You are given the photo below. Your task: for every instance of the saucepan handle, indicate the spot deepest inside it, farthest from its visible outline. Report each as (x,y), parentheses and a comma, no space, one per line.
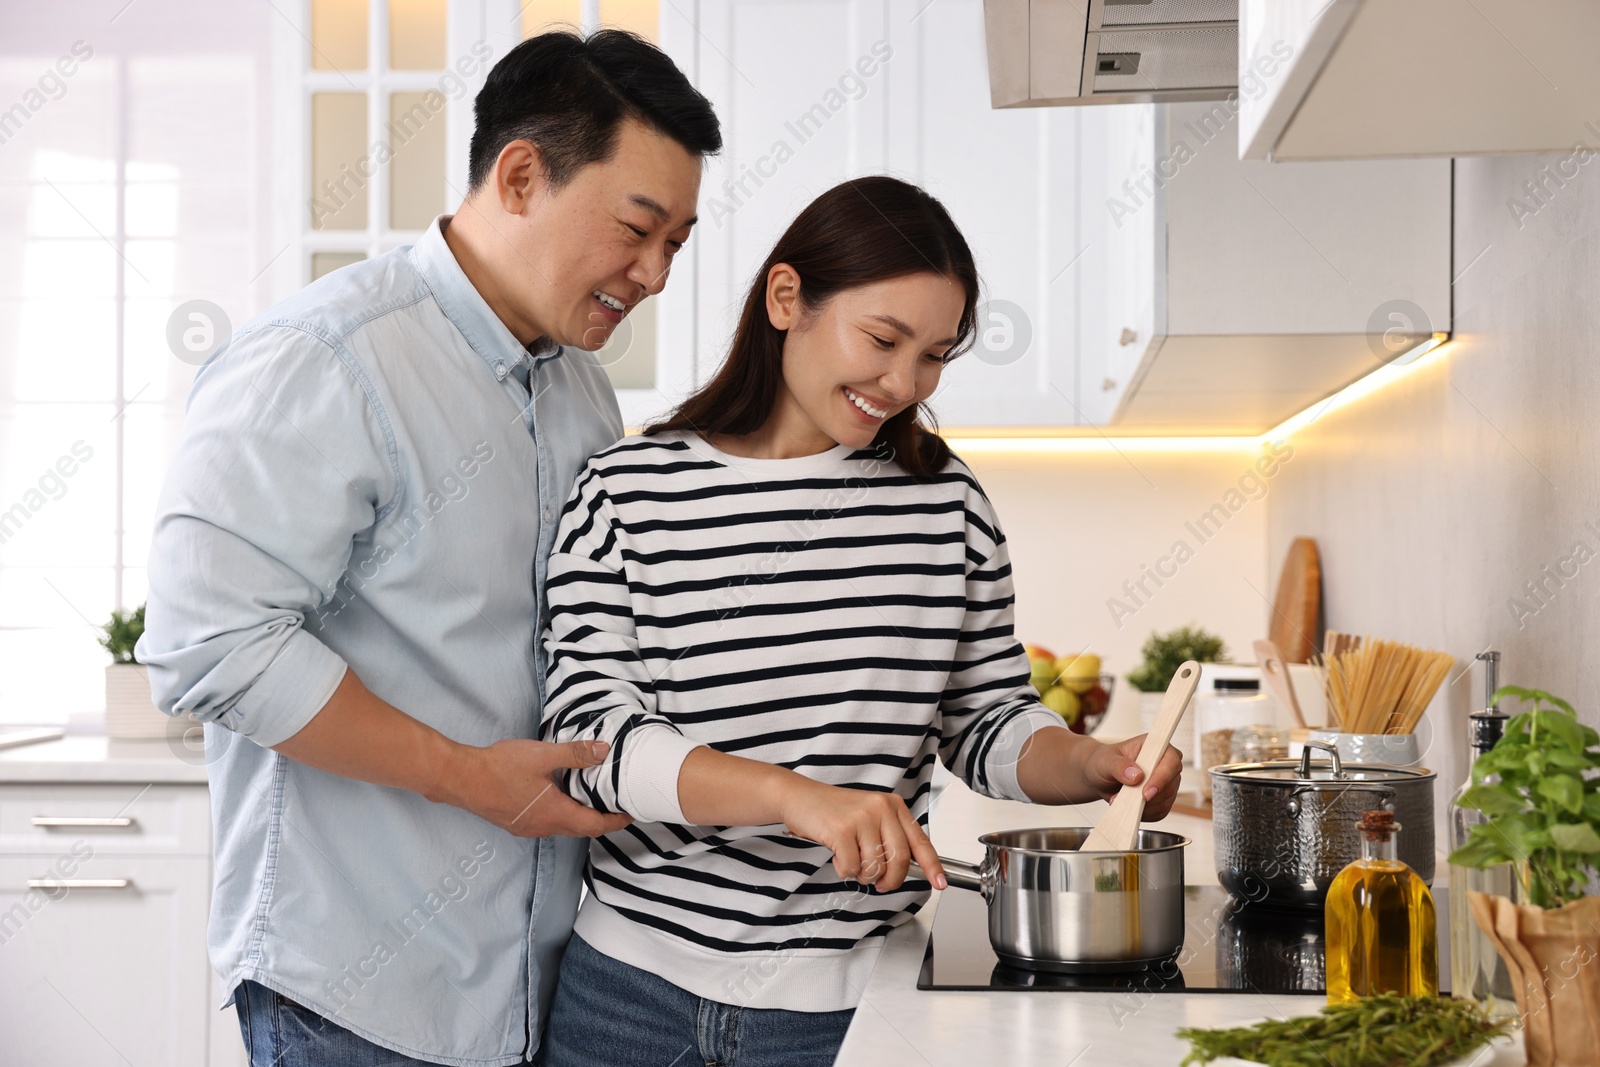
(962,875)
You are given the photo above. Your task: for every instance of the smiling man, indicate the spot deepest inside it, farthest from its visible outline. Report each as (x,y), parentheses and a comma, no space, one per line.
(347,574)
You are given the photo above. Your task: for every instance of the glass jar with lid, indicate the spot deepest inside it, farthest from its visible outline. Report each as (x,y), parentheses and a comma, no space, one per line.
(1259,743)
(1232,705)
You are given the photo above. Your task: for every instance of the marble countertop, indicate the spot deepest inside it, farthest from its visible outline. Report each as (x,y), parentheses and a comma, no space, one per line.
(100,759)
(898,1025)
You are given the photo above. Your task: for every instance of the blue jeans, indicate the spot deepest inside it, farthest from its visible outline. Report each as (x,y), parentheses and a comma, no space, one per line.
(607,1012)
(280,1033)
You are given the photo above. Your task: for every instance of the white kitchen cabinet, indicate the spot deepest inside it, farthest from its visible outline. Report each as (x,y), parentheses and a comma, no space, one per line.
(1116,275)
(101,974)
(1271,285)
(1366,79)
(1135,272)
(104,895)
(1010,180)
(812,92)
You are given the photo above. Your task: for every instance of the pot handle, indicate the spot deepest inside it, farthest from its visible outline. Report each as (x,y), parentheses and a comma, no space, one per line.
(961,874)
(1331,750)
(1388,792)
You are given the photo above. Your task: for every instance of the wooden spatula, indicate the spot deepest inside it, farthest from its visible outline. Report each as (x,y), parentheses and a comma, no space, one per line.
(1276,672)
(1119,828)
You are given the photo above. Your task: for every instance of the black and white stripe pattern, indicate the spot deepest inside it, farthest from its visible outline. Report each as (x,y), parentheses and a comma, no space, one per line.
(829,614)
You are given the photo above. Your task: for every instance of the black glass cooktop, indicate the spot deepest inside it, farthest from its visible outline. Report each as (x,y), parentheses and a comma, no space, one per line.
(1230,946)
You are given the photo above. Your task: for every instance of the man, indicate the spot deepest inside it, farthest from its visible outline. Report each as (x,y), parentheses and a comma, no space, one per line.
(347,574)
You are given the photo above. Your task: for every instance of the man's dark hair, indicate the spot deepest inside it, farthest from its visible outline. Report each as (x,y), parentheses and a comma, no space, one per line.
(568,95)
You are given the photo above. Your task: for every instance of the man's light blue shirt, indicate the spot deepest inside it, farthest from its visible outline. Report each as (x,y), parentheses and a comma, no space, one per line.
(363,482)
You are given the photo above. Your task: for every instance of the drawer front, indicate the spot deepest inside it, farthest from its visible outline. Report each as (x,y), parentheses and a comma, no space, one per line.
(112,819)
(107,965)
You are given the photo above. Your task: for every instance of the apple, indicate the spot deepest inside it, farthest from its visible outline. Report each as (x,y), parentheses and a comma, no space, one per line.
(1078,673)
(1094,700)
(1039,652)
(1043,674)
(1063,701)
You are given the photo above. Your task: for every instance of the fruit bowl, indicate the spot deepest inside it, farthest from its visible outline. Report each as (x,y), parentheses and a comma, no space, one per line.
(1093,705)
(1071,686)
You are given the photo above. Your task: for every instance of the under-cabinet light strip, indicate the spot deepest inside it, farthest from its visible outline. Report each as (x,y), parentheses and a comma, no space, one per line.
(1080,441)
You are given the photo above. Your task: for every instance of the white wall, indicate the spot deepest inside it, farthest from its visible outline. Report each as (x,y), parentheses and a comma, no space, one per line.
(1436,500)
(1080,525)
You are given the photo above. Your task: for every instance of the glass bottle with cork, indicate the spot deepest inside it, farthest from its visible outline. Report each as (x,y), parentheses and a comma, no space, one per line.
(1476,970)
(1382,934)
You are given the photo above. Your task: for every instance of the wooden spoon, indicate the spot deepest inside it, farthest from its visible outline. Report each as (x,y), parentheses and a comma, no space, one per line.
(1118,829)
(1277,674)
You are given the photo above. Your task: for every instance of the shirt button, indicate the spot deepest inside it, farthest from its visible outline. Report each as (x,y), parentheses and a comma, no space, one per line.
(500,371)
(546,514)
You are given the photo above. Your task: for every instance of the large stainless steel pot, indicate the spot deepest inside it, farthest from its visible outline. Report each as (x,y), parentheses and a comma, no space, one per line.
(1291,826)
(1054,908)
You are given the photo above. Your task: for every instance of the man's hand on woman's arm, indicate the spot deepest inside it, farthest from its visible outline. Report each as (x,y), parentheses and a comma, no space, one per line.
(873,835)
(1060,767)
(509,783)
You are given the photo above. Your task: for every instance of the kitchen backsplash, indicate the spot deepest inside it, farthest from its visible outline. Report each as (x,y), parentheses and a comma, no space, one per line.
(1460,508)
(1108,546)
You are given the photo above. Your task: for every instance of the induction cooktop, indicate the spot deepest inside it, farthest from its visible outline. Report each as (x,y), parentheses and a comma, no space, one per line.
(1229,946)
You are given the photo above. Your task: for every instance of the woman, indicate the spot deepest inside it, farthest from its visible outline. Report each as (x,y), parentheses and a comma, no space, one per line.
(779,607)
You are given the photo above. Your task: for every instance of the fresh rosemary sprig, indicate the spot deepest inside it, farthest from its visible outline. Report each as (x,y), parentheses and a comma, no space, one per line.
(1380,1031)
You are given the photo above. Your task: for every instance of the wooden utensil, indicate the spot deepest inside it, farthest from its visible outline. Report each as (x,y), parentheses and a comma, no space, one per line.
(1276,673)
(1334,644)
(1118,829)
(1293,626)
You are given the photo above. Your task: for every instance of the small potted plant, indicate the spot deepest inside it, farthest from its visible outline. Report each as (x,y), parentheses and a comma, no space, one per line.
(1539,792)
(1163,655)
(130,713)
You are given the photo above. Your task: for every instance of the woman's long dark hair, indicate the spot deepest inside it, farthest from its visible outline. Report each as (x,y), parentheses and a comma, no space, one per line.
(861,231)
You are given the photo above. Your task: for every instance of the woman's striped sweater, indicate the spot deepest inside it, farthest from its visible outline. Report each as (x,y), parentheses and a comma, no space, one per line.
(828,614)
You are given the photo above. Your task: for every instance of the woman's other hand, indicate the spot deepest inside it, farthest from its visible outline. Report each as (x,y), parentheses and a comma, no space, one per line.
(874,836)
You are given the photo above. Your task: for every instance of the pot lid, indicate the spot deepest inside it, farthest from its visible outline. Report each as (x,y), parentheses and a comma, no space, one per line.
(1288,773)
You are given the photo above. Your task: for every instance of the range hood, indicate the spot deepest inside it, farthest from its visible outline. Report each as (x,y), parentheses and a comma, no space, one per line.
(1045,53)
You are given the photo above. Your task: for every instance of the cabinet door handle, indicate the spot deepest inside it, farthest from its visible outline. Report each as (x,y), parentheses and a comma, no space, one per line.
(121,822)
(79,883)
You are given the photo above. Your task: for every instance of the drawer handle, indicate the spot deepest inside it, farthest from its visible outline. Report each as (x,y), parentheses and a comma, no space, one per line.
(79,883)
(121,822)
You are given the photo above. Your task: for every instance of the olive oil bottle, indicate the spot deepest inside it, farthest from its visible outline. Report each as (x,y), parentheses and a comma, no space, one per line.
(1382,935)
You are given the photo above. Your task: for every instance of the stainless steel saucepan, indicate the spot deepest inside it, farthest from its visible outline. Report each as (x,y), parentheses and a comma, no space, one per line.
(1055,908)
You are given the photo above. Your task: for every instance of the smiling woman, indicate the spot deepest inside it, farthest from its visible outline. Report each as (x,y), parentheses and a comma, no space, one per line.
(781,607)
(815,354)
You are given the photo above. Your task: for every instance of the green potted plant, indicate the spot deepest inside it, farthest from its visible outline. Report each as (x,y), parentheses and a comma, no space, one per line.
(1539,792)
(130,714)
(1163,655)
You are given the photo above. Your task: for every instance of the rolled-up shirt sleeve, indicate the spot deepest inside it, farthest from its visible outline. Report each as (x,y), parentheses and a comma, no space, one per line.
(283,465)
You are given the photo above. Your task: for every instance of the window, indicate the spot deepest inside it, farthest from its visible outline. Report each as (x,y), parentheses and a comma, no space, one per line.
(130,181)
(630,356)
(377,83)
(183,156)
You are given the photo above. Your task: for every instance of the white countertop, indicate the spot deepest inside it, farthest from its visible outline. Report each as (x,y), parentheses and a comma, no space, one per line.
(100,759)
(898,1025)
